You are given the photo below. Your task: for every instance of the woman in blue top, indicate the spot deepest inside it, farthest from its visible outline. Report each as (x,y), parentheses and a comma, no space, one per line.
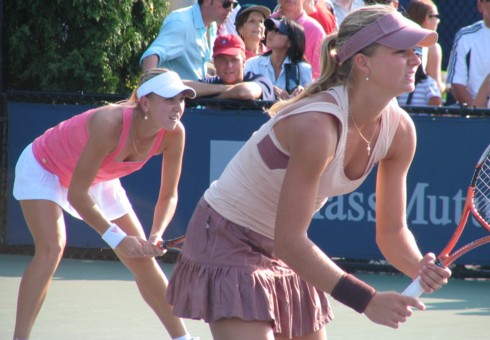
(284,64)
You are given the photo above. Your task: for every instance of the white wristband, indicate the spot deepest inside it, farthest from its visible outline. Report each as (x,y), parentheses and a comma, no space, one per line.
(113,236)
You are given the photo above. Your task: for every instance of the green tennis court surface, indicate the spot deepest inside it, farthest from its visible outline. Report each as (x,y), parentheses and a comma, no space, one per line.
(99,300)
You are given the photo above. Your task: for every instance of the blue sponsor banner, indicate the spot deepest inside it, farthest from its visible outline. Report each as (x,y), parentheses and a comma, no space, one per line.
(448,148)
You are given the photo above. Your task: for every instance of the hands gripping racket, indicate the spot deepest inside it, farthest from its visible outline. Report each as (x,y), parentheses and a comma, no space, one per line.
(478,204)
(174,244)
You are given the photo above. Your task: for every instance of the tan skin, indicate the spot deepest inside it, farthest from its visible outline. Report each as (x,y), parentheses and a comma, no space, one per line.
(211,10)
(434,56)
(481,99)
(46,223)
(310,154)
(252,32)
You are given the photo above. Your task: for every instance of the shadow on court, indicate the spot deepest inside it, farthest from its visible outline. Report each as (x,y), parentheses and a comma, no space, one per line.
(91,299)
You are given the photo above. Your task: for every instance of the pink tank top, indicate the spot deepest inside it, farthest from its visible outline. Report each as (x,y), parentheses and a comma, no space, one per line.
(59,148)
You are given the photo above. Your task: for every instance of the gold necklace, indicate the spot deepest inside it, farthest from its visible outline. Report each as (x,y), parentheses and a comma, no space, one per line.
(137,144)
(368,142)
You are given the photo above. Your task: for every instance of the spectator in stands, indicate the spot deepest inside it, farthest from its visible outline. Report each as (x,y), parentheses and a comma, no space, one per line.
(231,82)
(250,27)
(469,62)
(228,26)
(284,64)
(343,7)
(323,13)
(394,3)
(76,166)
(248,245)
(314,32)
(482,98)
(426,91)
(426,14)
(184,42)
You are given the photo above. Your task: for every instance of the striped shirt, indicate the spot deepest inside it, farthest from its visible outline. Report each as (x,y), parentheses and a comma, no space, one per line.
(424,91)
(469,62)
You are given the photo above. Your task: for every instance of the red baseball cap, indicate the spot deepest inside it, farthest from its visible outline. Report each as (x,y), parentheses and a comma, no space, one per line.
(228,44)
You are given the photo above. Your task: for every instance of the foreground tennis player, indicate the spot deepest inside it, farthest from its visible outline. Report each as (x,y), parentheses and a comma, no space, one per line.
(76,165)
(248,267)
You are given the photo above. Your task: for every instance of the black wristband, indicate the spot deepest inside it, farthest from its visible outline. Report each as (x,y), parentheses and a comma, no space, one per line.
(353,293)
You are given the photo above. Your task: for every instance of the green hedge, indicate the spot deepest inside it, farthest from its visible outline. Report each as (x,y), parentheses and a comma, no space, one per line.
(91,46)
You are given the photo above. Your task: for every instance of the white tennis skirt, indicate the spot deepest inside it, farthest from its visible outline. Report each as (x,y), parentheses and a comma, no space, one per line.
(33,182)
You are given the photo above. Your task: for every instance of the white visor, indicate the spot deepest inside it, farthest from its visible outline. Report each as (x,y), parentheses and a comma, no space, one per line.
(167,85)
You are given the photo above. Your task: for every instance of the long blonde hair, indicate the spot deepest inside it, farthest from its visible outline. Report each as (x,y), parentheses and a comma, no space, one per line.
(334,73)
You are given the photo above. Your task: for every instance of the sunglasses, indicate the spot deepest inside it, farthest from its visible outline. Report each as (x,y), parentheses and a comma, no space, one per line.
(438,16)
(227,4)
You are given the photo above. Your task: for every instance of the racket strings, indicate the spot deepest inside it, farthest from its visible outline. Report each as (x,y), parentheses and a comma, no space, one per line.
(481,198)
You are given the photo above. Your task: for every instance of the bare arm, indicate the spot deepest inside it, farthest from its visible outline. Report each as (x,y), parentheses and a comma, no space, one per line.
(434,66)
(104,130)
(483,94)
(393,237)
(149,62)
(461,93)
(435,101)
(173,150)
(248,90)
(310,153)
(241,91)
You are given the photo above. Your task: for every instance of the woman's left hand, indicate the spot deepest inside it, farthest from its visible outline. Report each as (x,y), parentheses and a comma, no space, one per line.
(432,276)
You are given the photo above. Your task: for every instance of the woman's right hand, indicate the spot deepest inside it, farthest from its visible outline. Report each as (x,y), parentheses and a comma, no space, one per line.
(391,308)
(132,246)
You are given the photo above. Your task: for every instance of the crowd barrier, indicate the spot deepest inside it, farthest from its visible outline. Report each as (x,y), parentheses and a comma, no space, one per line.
(449,145)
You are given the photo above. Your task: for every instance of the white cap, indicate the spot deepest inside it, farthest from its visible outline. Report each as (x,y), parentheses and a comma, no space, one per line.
(167,85)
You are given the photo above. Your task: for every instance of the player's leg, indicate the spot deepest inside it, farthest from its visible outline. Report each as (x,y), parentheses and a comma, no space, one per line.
(321,334)
(150,280)
(238,329)
(45,221)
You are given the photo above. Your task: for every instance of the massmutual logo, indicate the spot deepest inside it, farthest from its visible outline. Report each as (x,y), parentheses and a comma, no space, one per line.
(423,207)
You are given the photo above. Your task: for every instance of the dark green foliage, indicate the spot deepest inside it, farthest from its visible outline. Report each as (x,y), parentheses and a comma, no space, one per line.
(91,46)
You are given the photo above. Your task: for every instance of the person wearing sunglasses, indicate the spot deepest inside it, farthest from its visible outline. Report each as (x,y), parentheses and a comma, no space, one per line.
(469,62)
(284,64)
(314,32)
(426,14)
(185,40)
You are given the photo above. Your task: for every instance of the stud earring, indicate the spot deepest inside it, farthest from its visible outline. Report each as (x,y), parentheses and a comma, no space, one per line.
(367,78)
(145,117)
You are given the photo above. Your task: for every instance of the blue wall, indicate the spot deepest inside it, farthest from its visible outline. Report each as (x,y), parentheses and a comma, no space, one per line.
(448,148)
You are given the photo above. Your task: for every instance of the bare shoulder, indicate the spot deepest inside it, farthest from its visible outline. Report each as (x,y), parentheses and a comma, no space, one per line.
(105,126)
(313,128)
(405,139)
(107,118)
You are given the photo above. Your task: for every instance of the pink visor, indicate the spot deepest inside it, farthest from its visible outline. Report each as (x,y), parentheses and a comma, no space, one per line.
(391,30)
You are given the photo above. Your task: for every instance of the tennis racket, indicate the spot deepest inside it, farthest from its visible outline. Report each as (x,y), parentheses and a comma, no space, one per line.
(174,244)
(477,204)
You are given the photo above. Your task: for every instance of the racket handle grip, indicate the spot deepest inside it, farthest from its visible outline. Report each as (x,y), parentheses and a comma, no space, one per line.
(414,289)
(161,245)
